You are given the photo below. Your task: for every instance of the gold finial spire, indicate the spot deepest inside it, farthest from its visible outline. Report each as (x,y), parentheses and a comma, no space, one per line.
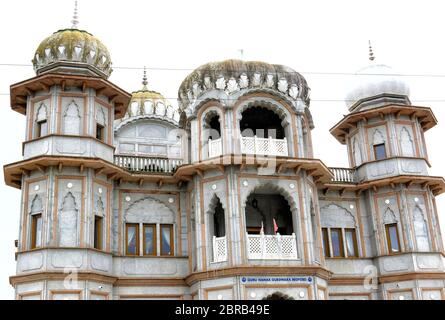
(75,20)
(371,53)
(144,79)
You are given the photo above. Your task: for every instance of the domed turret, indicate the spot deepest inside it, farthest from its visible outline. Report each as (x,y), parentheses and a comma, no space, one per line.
(72,51)
(150,104)
(374,82)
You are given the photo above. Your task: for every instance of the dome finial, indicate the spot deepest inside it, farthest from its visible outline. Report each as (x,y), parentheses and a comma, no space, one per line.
(371,53)
(144,79)
(75,20)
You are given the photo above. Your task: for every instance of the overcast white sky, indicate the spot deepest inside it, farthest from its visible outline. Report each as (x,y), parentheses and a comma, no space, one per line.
(308,36)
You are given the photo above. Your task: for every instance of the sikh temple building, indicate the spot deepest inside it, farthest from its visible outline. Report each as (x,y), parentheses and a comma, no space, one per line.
(125,196)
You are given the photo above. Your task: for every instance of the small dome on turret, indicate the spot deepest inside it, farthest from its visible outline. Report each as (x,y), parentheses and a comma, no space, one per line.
(374,81)
(147,103)
(72,51)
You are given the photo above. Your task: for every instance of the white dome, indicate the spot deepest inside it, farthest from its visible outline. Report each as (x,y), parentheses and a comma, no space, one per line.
(373,80)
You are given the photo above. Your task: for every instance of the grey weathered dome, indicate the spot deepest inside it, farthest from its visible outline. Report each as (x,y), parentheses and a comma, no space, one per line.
(231,76)
(72,47)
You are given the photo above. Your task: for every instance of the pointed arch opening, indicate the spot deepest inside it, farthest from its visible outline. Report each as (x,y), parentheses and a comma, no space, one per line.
(212,136)
(217,229)
(270,226)
(41,121)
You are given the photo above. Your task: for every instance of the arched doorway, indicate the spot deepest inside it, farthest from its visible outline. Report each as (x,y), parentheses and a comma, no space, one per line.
(217,230)
(212,140)
(269,225)
(261,122)
(270,211)
(278,296)
(262,132)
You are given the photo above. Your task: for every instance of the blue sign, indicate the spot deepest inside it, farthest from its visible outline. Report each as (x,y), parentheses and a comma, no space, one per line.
(284,279)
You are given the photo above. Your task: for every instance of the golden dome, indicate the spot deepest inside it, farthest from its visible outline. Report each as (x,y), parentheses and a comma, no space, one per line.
(147,103)
(72,48)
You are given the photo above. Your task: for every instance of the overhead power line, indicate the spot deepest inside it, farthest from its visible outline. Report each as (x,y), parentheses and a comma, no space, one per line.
(312,100)
(429,75)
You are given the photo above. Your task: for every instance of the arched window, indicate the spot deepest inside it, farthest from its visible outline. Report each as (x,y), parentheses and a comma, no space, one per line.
(217,228)
(36,222)
(101,124)
(212,134)
(261,122)
(41,121)
(156,222)
(99,212)
(339,231)
(391,231)
(72,119)
(379,146)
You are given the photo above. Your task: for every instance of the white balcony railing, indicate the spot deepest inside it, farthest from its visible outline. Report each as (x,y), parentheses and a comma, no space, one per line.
(263,246)
(215,147)
(343,175)
(146,164)
(264,146)
(219,249)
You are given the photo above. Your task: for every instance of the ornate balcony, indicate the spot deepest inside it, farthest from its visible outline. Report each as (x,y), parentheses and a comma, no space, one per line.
(264,146)
(343,175)
(219,249)
(278,247)
(147,164)
(215,147)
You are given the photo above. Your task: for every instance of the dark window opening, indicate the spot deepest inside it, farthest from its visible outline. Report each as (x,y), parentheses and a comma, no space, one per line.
(326,246)
(100,132)
(36,231)
(215,127)
(268,212)
(42,128)
(392,237)
(261,122)
(98,232)
(379,151)
(219,221)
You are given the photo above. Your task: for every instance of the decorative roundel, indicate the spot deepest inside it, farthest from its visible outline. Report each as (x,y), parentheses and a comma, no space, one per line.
(301,294)
(37,188)
(351,206)
(416,199)
(127,198)
(253,295)
(214,187)
(100,190)
(171,200)
(401,298)
(387,201)
(69,185)
(220,297)
(245,183)
(292,186)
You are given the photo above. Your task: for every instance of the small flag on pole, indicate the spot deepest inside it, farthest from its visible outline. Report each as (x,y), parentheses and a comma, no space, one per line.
(262,227)
(275,226)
